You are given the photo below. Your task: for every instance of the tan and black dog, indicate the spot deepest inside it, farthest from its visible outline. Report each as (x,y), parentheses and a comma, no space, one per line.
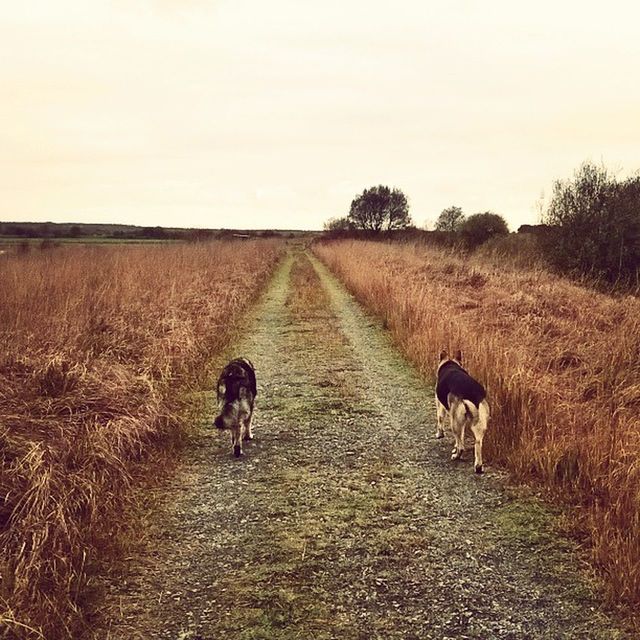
(464,400)
(236,393)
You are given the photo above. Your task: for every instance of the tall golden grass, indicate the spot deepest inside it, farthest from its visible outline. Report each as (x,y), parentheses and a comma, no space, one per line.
(99,350)
(561,364)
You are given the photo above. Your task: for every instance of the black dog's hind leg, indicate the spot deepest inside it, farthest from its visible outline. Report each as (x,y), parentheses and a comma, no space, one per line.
(248,434)
(236,440)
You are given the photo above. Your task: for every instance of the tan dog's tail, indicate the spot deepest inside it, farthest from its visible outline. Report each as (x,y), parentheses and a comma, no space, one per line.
(470,410)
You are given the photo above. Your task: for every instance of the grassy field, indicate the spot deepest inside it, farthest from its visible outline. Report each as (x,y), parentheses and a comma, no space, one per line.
(561,364)
(100,348)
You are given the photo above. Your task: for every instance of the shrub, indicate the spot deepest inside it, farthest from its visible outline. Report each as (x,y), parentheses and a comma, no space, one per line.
(596,226)
(338,224)
(479,227)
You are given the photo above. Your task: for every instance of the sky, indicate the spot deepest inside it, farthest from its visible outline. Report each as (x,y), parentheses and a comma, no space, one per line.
(254,114)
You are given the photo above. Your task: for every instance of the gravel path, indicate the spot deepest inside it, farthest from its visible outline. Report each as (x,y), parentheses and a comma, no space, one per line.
(345,519)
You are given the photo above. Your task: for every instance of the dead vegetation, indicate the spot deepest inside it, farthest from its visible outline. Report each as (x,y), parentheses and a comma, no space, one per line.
(100,348)
(561,363)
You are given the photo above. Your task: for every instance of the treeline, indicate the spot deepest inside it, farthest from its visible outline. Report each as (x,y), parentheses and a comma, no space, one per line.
(57,230)
(590,228)
(64,230)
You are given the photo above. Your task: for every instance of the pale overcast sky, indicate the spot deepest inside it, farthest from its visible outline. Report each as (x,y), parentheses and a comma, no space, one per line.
(276,114)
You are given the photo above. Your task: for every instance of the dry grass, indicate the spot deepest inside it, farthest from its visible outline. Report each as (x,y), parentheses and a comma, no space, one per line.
(562,367)
(100,347)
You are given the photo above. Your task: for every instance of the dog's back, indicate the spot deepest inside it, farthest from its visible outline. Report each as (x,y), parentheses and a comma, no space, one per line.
(453,379)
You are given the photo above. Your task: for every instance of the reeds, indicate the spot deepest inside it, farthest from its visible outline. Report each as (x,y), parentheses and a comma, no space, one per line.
(562,367)
(99,348)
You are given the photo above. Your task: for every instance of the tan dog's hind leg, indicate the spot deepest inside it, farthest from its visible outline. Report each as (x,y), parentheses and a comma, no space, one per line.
(458,422)
(478,433)
(479,427)
(441,413)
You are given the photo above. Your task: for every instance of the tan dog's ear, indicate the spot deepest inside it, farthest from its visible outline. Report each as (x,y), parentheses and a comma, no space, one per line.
(443,355)
(458,356)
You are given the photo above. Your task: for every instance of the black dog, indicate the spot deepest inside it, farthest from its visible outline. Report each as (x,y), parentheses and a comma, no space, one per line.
(236,391)
(464,399)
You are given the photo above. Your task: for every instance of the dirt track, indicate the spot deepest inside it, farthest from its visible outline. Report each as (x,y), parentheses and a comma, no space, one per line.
(345,518)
